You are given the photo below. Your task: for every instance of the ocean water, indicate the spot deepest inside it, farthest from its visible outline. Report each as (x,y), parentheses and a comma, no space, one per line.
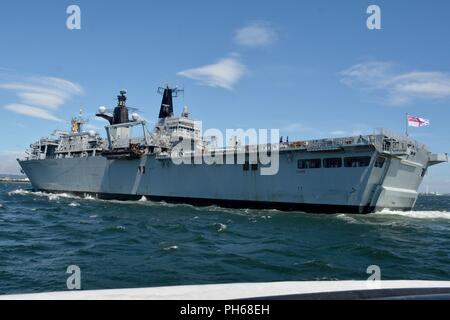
(145,244)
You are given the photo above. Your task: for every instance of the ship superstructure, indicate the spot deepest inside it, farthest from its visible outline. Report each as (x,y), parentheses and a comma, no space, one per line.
(360,174)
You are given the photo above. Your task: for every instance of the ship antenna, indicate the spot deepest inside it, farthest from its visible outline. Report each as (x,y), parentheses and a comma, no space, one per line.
(78,122)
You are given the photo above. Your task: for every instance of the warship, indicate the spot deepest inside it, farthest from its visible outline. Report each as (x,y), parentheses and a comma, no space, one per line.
(356,174)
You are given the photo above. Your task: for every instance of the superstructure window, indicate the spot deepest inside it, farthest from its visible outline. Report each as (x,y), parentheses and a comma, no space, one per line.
(424,172)
(332,163)
(250,166)
(309,164)
(355,162)
(379,163)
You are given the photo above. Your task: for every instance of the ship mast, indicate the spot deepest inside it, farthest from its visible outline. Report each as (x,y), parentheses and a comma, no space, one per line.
(120,114)
(166,110)
(77,123)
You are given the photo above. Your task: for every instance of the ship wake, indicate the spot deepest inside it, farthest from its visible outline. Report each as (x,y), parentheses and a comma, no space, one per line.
(424,214)
(50,196)
(417,214)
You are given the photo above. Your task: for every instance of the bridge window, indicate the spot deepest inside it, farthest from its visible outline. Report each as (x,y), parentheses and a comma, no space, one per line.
(354,162)
(332,163)
(309,164)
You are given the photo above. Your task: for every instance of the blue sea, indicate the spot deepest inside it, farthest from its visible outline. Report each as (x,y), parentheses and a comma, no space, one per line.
(146,244)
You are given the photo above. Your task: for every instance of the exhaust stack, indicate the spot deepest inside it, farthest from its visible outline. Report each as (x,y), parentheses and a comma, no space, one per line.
(166,110)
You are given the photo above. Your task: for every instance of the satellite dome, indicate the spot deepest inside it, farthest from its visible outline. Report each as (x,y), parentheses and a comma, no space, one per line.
(135,116)
(102,109)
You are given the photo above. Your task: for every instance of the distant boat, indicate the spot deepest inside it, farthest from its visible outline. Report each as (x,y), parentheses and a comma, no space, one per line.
(428,193)
(14,180)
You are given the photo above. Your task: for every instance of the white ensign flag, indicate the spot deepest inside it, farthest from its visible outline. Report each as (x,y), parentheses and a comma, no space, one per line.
(417,122)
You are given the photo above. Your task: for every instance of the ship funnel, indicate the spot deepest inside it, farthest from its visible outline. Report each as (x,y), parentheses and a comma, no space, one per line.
(168,93)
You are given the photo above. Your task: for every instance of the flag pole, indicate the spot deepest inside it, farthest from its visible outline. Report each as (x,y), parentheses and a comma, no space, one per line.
(407,124)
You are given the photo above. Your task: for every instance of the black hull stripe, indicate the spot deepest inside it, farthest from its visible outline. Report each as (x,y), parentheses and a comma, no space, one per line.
(236,204)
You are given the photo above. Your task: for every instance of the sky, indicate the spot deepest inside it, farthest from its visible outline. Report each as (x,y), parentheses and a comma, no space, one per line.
(313,69)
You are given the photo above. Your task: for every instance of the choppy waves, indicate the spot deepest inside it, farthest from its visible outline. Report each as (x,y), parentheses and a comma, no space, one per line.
(144,243)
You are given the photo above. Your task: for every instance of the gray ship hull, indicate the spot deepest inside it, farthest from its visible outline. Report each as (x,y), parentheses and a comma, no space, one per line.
(394,185)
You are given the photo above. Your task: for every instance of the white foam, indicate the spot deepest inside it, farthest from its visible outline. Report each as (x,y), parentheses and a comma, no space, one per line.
(144,201)
(347,218)
(19,192)
(50,196)
(244,212)
(417,214)
(221,227)
(169,248)
(74,204)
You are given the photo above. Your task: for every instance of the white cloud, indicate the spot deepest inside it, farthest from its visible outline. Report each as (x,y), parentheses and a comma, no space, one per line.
(64,86)
(31,111)
(224,74)
(398,88)
(255,35)
(342,133)
(50,101)
(339,133)
(293,128)
(9,164)
(39,91)
(89,126)
(354,129)
(296,128)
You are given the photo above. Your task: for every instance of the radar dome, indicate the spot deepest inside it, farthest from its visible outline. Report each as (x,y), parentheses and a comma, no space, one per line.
(102,109)
(135,116)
